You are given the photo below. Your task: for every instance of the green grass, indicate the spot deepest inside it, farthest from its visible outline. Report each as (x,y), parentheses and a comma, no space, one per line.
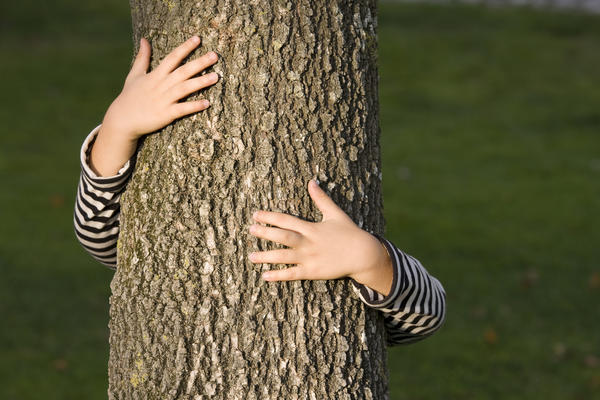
(491,149)
(491,126)
(62,63)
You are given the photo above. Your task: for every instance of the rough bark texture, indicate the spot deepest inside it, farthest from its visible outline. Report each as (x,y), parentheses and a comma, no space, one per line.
(190,316)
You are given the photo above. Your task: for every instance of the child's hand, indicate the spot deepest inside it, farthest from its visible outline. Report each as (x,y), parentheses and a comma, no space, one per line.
(150,101)
(333,248)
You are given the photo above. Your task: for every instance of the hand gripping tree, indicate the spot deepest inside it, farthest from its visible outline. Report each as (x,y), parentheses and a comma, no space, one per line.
(190,316)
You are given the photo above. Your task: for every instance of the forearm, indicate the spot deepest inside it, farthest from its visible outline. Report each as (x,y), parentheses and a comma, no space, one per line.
(379,276)
(97,208)
(110,151)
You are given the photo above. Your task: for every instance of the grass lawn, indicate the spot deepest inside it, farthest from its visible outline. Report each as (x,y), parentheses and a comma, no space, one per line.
(491,149)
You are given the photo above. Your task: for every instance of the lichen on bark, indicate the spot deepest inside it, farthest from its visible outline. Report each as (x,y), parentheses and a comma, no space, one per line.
(190,316)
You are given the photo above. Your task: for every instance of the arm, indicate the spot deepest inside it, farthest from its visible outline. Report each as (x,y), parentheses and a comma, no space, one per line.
(97,208)
(383,277)
(147,103)
(415,307)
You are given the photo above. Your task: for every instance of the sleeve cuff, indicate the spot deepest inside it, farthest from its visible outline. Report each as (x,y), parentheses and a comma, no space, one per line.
(113,183)
(373,298)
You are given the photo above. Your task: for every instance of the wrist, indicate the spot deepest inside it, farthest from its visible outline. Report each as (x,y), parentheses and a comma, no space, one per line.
(110,152)
(114,132)
(378,273)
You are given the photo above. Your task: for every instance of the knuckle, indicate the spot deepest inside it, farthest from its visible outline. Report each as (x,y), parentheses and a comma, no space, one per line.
(172,55)
(277,218)
(211,78)
(309,252)
(177,111)
(197,84)
(308,228)
(177,75)
(265,217)
(198,64)
(212,56)
(284,236)
(270,257)
(187,87)
(291,274)
(204,61)
(258,257)
(203,104)
(288,237)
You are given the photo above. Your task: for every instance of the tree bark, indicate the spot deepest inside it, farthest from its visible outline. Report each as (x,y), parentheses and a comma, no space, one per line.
(190,316)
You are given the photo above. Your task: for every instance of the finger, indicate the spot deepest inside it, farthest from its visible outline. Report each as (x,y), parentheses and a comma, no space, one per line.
(281,236)
(281,220)
(188,107)
(193,85)
(174,58)
(323,202)
(288,274)
(142,60)
(279,256)
(194,67)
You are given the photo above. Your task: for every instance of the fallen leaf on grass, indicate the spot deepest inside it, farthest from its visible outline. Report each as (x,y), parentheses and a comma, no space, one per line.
(60,364)
(594,281)
(56,200)
(559,350)
(479,312)
(591,361)
(490,336)
(595,381)
(530,278)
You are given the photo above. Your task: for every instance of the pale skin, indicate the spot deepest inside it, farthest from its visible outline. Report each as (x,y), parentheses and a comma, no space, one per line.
(333,248)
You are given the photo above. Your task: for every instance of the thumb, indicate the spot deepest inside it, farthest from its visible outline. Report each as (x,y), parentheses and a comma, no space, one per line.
(142,60)
(324,203)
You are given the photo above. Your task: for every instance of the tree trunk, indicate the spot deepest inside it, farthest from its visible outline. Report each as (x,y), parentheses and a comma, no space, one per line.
(190,316)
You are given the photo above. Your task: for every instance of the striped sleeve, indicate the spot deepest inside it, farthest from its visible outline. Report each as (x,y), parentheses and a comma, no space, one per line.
(416,305)
(96,214)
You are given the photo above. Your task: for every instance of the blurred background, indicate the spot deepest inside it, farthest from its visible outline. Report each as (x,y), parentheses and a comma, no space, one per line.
(490,124)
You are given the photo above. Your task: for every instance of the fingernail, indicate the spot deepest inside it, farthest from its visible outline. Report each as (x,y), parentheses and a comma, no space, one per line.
(255,214)
(205,103)
(266,275)
(251,256)
(252,228)
(195,39)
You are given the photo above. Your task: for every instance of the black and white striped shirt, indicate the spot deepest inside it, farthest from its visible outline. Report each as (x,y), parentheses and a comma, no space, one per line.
(413,310)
